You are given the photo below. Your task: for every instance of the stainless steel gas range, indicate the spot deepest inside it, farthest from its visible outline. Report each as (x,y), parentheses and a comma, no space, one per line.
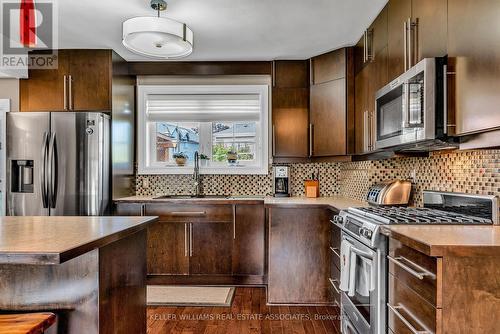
(364,309)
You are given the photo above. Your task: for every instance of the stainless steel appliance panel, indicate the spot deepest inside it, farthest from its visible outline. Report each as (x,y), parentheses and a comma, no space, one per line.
(79,164)
(27,137)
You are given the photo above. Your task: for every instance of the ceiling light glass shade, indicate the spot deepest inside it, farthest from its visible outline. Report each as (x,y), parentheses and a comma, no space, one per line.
(157,37)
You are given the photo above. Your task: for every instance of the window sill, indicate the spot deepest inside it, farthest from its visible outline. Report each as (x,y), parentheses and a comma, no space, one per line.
(237,170)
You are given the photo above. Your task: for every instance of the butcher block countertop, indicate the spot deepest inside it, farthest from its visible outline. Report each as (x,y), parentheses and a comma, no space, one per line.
(54,240)
(448,240)
(334,202)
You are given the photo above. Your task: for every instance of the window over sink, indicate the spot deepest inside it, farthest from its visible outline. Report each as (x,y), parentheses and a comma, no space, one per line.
(226,124)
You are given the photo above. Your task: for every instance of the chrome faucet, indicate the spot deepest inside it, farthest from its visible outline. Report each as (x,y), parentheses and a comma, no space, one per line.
(196,174)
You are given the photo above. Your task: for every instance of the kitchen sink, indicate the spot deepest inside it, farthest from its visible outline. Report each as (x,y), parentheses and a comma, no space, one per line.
(189,196)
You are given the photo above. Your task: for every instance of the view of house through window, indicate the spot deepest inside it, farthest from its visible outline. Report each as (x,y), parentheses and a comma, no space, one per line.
(223,139)
(176,137)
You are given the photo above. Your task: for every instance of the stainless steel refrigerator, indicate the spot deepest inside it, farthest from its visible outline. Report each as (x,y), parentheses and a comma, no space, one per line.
(58,163)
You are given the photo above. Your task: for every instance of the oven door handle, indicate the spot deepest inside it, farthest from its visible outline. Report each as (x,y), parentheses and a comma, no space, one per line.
(362,253)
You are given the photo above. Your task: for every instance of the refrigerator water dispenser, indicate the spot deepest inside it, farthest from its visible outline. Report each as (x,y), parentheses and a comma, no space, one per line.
(22,176)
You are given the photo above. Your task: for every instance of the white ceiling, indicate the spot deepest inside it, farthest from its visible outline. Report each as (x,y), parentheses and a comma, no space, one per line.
(226,29)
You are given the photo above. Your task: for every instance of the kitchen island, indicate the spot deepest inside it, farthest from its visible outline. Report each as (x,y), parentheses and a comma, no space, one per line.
(90,271)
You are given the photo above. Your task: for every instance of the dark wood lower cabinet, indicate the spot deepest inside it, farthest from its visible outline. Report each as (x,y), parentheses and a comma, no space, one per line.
(210,248)
(203,244)
(249,240)
(299,255)
(168,248)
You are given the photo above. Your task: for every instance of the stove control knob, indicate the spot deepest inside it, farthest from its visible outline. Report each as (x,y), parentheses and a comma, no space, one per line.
(338,219)
(368,234)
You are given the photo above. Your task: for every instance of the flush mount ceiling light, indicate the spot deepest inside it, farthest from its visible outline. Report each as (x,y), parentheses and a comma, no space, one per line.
(157,37)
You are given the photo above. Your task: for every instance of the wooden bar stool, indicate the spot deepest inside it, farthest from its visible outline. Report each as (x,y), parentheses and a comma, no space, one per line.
(26,323)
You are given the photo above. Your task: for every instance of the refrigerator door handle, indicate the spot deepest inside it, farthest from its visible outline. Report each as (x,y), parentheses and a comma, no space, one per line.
(43,171)
(53,172)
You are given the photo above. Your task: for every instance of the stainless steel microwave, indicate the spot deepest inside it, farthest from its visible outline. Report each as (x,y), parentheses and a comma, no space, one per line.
(411,111)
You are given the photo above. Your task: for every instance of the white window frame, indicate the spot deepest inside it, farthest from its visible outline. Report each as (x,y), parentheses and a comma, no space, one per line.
(262,134)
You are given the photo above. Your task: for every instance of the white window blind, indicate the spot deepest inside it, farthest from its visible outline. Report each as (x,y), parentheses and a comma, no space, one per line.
(203,107)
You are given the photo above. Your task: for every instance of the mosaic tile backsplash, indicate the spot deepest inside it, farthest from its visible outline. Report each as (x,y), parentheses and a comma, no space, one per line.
(476,172)
(240,185)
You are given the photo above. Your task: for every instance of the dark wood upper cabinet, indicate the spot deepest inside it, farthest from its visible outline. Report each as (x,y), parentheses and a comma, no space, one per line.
(398,14)
(81,82)
(329,66)
(474,42)
(416,30)
(90,72)
(249,240)
(290,101)
(361,82)
(374,40)
(367,83)
(331,103)
(328,118)
(377,34)
(430,18)
(45,88)
(290,74)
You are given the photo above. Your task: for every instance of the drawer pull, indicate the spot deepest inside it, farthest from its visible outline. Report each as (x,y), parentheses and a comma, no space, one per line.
(335,251)
(419,274)
(395,310)
(188,213)
(332,282)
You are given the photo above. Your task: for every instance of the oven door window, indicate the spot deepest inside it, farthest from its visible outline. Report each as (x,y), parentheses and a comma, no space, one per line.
(390,114)
(362,303)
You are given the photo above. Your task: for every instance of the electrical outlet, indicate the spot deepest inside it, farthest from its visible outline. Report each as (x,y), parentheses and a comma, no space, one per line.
(145,183)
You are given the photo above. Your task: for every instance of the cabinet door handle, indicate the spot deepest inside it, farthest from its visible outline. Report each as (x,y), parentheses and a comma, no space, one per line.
(372,130)
(311,72)
(364,46)
(418,274)
(185,240)
(234,222)
(410,42)
(335,251)
(405,44)
(395,310)
(274,141)
(188,213)
(143,209)
(332,282)
(273,73)
(65,93)
(415,41)
(311,138)
(190,239)
(70,92)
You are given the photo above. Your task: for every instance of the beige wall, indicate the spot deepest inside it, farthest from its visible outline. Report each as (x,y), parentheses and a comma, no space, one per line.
(9,89)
